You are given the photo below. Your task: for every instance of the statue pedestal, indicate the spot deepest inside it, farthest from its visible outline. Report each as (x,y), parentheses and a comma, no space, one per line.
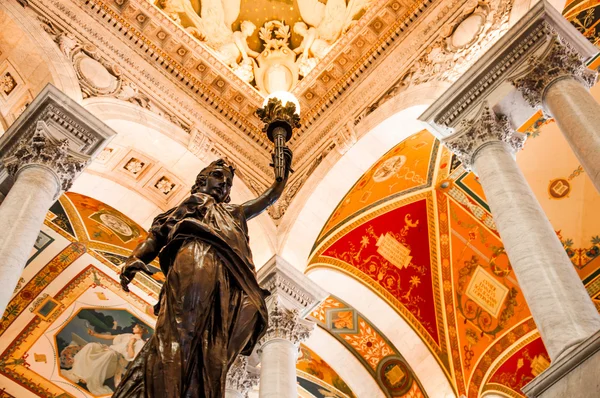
(576,373)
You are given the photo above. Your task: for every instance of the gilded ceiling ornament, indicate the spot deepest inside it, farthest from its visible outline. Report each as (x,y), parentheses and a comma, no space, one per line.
(276,69)
(486,127)
(558,61)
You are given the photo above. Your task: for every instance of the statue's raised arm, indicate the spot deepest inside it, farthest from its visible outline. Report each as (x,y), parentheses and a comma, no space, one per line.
(254,207)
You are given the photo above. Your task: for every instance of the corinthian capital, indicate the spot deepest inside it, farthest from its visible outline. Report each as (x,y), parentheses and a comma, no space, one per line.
(485,128)
(558,61)
(238,377)
(286,324)
(40,149)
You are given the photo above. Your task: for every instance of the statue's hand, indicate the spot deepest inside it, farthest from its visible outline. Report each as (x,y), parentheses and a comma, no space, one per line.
(131,267)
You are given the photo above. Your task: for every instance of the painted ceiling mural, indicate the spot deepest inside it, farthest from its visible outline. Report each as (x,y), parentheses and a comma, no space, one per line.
(317,378)
(69,317)
(379,356)
(391,176)
(433,253)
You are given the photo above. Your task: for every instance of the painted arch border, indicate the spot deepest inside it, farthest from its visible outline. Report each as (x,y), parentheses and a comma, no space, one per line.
(439,351)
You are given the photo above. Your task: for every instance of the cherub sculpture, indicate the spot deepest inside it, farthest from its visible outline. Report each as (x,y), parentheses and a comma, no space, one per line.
(213,25)
(311,50)
(330,19)
(236,54)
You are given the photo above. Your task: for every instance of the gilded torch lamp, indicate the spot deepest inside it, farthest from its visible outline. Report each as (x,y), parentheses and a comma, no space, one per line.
(280,120)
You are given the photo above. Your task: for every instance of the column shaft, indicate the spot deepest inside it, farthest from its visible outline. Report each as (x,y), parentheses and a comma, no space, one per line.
(578,116)
(559,303)
(278,369)
(21,216)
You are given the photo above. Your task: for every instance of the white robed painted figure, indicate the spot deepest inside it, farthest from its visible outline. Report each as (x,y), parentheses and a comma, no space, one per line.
(95,363)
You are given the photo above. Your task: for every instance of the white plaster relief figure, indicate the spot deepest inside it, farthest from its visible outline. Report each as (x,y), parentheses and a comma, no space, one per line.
(323,25)
(331,19)
(237,54)
(311,50)
(213,25)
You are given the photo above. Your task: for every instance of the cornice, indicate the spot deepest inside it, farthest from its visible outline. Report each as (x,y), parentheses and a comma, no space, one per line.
(251,155)
(489,78)
(204,93)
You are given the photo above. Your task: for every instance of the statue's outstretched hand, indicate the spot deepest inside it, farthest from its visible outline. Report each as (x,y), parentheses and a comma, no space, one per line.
(130,268)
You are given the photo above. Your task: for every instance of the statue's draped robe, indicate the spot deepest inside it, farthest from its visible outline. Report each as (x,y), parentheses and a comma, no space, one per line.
(211,307)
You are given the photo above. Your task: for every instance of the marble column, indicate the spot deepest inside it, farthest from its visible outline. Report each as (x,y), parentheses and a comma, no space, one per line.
(41,169)
(239,379)
(42,152)
(293,296)
(559,303)
(278,351)
(558,81)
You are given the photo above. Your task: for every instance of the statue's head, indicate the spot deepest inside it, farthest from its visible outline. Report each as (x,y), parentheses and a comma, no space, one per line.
(216,180)
(247,28)
(300,28)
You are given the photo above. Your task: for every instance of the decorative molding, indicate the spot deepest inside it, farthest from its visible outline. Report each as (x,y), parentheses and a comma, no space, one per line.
(290,286)
(488,77)
(559,60)
(238,377)
(486,127)
(285,324)
(101,78)
(56,132)
(40,149)
(345,138)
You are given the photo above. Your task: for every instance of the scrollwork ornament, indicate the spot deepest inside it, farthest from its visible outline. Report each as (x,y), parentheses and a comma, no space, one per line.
(41,150)
(485,128)
(559,60)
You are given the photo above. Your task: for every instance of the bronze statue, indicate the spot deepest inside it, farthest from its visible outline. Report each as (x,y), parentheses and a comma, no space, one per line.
(210,308)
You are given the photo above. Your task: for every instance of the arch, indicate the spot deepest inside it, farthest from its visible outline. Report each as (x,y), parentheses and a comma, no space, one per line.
(37,56)
(344,363)
(123,199)
(395,328)
(333,181)
(107,108)
(164,143)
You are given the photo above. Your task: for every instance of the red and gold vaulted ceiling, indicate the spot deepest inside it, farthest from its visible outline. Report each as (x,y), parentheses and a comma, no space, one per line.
(416,229)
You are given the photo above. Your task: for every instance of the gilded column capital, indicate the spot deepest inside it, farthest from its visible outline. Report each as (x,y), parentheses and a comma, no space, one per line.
(484,129)
(286,324)
(40,149)
(238,377)
(558,61)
